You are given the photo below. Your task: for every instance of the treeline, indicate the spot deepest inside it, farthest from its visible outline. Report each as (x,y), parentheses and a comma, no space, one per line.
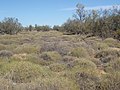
(103,23)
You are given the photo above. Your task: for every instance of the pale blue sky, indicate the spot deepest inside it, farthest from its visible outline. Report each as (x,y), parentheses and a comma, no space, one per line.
(42,12)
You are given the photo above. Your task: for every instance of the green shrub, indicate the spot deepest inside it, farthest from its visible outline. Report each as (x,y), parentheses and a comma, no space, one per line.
(57,67)
(22,71)
(8,41)
(108,54)
(2,47)
(112,42)
(113,66)
(10,26)
(85,74)
(79,52)
(86,81)
(5,84)
(102,46)
(51,56)
(62,48)
(96,61)
(57,83)
(26,48)
(83,64)
(96,45)
(110,82)
(34,58)
(68,59)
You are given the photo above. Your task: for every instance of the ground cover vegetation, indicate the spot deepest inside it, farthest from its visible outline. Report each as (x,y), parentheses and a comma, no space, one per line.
(81,54)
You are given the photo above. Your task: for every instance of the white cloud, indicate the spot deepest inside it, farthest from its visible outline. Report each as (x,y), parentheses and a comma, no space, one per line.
(102,7)
(90,8)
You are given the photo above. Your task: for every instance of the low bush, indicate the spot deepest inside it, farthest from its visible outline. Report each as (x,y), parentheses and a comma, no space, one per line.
(108,54)
(25,48)
(57,67)
(109,82)
(22,71)
(68,59)
(57,83)
(96,61)
(2,47)
(51,56)
(86,81)
(60,47)
(85,74)
(110,41)
(113,66)
(79,52)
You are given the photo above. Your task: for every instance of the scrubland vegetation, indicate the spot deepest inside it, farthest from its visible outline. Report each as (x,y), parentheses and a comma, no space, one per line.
(65,58)
(54,61)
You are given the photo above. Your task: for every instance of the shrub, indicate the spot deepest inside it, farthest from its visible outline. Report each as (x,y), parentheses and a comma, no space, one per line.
(113,66)
(108,54)
(62,48)
(5,53)
(68,59)
(2,47)
(96,61)
(8,41)
(25,48)
(51,56)
(96,45)
(57,67)
(57,83)
(34,58)
(22,71)
(81,64)
(84,72)
(110,82)
(79,52)
(86,81)
(5,84)
(84,64)
(10,26)
(110,41)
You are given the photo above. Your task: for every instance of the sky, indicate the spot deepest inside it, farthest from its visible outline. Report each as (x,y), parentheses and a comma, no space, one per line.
(46,12)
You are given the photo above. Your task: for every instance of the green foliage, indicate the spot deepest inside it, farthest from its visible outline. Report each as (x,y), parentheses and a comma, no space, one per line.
(61,48)
(110,82)
(101,22)
(108,54)
(53,61)
(51,56)
(22,72)
(84,72)
(57,67)
(10,26)
(113,66)
(56,83)
(42,28)
(110,41)
(26,48)
(2,47)
(79,52)
(83,64)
